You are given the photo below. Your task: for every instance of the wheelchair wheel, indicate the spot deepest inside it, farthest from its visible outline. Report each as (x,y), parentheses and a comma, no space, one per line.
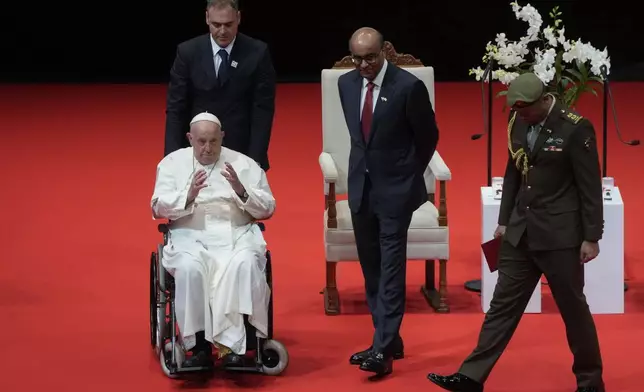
(274,357)
(154,288)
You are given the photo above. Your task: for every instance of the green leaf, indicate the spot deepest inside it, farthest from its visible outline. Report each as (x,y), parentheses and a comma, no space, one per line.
(575,74)
(591,89)
(564,82)
(583,70)
(568,81)
(558,66)
(596,79)
(569,97)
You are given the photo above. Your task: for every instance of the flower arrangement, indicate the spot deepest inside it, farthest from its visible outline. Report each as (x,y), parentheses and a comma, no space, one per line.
(567,68)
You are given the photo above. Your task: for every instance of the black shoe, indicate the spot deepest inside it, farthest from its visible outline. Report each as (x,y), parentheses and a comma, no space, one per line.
(232,360)
(199,359)
(589,389)
(361,356)
(378,363)
(456,383)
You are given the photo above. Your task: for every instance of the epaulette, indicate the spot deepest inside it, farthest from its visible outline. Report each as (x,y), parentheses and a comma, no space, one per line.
(570,116)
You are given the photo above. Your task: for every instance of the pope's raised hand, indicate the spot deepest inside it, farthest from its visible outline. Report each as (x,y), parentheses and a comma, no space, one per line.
(197,184)
(231,176)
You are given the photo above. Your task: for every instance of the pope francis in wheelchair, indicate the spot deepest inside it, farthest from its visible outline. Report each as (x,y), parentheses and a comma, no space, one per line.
(210,280)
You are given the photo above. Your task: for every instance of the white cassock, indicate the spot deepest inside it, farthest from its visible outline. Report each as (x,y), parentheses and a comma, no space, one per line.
(215,252)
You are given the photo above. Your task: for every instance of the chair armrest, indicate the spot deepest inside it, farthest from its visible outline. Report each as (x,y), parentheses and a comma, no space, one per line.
(439,169)
(329,169)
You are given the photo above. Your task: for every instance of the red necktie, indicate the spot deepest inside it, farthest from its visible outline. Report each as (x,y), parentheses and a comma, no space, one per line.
(367,111)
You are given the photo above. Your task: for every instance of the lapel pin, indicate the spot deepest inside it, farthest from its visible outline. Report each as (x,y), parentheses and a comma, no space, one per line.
(233,64)
(383,99)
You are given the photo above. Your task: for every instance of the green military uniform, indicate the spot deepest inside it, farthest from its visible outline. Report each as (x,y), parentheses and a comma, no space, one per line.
(552,202)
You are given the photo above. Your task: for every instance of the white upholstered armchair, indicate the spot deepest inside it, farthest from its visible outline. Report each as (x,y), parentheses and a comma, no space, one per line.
(428,238)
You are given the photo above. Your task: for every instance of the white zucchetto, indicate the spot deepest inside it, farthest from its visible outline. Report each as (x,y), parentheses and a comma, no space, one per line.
(205,116)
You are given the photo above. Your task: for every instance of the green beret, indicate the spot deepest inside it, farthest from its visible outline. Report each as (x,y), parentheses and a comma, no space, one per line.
(524,90)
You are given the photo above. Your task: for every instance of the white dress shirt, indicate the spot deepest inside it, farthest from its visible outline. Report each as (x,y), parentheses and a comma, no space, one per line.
(215,52)
(376,89)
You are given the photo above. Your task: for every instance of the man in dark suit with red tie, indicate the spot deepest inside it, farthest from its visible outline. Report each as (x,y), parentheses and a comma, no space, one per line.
(228,74)
(393,135)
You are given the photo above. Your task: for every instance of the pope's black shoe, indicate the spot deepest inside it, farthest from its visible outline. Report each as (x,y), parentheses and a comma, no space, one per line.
(201,353)
(232,360)
(199,359)
(377,363)
(456,382)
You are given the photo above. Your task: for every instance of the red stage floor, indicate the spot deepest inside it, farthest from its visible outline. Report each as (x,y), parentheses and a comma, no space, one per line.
(78,166)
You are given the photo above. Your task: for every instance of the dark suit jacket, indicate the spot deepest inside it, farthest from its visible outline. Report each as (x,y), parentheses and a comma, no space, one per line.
(560,201)
(245,103)
(401,143)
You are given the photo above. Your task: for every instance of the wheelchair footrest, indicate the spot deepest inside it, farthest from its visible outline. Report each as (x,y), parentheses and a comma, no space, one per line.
(196,369)
(249,368)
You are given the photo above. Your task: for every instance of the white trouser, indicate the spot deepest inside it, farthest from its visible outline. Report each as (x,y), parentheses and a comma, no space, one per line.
(213,292)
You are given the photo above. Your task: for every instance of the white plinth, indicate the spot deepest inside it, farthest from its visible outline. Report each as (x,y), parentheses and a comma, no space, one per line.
(605,275)
(489,222)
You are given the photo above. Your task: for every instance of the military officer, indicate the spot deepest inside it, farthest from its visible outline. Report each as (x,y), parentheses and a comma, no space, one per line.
(551,219)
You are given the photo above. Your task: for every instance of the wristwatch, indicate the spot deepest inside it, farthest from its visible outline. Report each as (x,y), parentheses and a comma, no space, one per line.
(244,195)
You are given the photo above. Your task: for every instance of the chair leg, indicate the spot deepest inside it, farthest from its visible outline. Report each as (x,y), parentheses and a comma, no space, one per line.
(443,307)
(436,299)
(429,288)
(331,295)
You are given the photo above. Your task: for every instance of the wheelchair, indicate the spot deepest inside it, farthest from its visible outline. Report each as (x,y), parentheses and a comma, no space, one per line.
(271,357)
